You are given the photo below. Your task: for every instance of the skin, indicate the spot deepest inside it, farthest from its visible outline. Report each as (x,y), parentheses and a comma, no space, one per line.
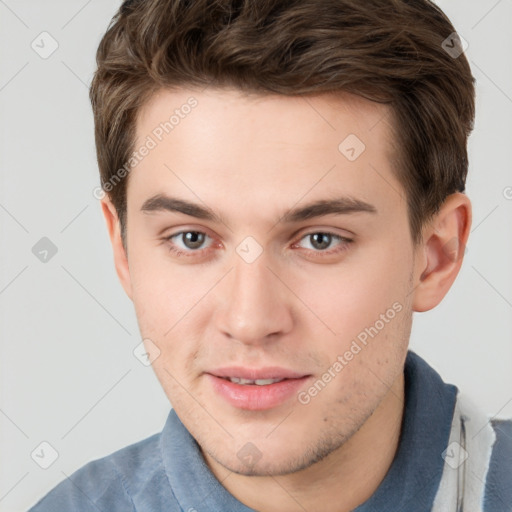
(251,159)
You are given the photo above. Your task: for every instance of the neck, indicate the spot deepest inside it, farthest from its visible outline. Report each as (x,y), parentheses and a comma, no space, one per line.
(340,482)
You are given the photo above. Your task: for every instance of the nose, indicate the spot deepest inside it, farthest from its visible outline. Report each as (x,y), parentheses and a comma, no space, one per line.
(255,306)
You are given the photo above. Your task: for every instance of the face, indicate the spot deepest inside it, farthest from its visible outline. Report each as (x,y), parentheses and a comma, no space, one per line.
(268,240)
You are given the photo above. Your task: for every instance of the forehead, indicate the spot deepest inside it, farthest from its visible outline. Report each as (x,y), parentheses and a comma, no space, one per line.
(270,149)
(306,118)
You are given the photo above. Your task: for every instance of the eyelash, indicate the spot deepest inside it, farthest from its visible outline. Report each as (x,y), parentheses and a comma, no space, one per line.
(343,246)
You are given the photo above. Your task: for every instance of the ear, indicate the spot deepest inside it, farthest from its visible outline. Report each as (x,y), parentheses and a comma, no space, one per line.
(440,255)
(120,256)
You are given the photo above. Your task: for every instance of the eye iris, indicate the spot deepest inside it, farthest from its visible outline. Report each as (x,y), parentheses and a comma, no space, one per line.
(193,239)
(320,240)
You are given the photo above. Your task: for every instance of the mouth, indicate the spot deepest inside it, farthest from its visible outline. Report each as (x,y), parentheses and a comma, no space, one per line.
(257,382)
(256,389)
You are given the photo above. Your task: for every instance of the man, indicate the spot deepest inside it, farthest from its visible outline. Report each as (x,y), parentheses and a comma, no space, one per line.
(284,188)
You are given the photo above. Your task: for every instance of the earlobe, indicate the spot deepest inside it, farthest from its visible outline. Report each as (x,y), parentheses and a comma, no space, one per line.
(442,252)
(120,256)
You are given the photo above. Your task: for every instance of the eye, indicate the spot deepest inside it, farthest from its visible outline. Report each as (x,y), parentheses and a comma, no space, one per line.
(321,241)
(191,242)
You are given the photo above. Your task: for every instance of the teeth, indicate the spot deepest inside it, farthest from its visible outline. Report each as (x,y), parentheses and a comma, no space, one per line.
(258,382)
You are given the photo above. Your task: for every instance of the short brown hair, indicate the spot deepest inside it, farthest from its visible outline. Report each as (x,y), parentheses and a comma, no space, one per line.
(387,51)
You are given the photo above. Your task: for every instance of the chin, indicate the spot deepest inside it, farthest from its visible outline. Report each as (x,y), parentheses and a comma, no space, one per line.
(263,459)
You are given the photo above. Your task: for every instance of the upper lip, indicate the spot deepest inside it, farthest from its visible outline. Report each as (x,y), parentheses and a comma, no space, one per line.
(269,372)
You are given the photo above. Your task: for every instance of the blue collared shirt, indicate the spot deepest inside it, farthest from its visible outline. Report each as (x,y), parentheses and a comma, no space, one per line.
(167,472)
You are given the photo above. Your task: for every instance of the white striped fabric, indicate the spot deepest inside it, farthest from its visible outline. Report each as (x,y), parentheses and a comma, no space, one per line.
(467,459)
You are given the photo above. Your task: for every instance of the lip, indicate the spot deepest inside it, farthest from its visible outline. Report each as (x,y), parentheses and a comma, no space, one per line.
(269,372)
(253,397)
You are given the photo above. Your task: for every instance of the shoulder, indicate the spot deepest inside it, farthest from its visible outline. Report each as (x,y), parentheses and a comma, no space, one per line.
(503,430)
(109,483)
(498,485)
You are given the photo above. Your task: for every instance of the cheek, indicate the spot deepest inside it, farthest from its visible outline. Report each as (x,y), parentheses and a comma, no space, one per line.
(154,301)
(162,292)
(346,299)
(165,299)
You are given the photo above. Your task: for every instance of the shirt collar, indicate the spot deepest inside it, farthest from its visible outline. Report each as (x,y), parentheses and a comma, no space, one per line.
(412,480)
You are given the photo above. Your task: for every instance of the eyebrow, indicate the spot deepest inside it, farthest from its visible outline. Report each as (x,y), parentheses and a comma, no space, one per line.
(338,206)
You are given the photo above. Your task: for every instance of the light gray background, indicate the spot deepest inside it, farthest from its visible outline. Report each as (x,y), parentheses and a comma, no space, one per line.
(68,373)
